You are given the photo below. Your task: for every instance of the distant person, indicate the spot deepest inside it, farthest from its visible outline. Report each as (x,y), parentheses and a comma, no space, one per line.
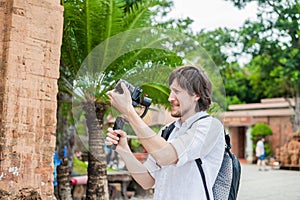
(112,158)
(78,154)
(261,154)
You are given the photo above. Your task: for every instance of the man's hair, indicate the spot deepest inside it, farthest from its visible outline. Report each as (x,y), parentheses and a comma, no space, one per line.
(195,81)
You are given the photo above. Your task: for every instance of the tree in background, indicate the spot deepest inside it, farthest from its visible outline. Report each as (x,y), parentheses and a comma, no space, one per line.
(273,41)
(261,130)
(219,43)
(86,25)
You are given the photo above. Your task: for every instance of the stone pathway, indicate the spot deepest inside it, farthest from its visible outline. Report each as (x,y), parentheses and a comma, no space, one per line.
(265,185)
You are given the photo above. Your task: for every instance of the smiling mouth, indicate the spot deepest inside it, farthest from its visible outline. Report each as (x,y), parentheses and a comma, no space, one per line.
(175,105)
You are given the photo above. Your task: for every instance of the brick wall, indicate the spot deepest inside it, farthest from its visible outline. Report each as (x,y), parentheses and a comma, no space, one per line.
(30,40)
(282,129)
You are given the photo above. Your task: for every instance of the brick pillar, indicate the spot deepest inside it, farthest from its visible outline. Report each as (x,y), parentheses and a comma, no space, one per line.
(30,41)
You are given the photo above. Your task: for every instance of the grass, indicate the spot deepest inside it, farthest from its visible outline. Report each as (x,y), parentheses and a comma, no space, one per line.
(80,166)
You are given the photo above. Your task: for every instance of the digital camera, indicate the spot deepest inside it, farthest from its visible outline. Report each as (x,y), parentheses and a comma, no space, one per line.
(136,94)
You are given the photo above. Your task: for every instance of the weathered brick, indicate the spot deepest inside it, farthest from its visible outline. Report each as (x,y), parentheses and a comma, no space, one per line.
(30,40)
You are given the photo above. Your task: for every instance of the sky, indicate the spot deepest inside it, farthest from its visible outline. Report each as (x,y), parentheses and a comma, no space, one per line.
(212,14)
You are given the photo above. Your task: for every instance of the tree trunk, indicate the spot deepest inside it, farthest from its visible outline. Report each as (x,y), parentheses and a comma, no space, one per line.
(64,128)
(63,179)
(296,125)
(97,186)
(66,133)
(24,194)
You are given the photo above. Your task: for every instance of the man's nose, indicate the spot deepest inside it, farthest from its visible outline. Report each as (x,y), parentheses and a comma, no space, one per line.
(171,97)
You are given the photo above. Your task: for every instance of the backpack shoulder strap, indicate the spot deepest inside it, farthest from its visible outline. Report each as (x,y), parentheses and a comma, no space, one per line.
(199,164)
(167,131)
(227,141)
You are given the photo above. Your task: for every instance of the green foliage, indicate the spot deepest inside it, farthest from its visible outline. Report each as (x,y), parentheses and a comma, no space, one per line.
(268,148)
(260,129)
(136,146)
(215,109)
(267,145)
(232,100)
(237,84)
(214,41)
(80,166)
(160,92)
(221,45)
(273,43)
(104,24)
(81,129)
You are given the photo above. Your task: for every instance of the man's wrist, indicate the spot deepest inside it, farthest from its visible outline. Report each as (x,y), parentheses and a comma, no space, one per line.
(131,115)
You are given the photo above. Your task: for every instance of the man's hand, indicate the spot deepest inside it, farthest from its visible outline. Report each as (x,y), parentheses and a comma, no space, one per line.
(122,102)
(121,142)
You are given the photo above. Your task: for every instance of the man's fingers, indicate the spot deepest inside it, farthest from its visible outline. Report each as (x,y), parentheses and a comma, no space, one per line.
(113,136)
(125,89)
(111,141)
(108,143)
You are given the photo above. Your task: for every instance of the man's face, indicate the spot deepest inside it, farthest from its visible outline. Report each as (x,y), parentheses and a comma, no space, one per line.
(183,104)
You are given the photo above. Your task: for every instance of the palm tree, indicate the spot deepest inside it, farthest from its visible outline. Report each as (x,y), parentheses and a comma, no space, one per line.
(87,24)
(104,41)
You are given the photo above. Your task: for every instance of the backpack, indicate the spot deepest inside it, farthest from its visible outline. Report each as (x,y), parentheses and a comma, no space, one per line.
(227,182)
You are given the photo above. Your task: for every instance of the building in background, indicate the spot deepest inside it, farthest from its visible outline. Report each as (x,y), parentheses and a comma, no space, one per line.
(239,120)
(275,112)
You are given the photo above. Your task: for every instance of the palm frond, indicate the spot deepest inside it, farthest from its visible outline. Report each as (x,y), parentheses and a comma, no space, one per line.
(139,15)
(158,93)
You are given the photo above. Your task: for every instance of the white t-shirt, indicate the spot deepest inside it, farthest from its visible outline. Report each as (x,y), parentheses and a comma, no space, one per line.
(260,150)
(193,139)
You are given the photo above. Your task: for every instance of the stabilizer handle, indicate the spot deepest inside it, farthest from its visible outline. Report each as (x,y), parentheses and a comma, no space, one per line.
(118,125)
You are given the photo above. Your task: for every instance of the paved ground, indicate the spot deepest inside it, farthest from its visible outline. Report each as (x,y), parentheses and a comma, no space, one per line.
(266,185)
(269,185)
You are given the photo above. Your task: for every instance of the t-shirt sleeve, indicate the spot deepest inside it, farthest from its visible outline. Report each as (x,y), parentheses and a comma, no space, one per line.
(151,166)
(150,163)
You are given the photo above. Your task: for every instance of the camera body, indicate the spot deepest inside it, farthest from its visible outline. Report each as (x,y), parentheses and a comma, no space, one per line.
(135,92)
(137,99)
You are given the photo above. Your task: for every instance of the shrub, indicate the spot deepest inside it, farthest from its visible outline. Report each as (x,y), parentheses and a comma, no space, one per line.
(259,130)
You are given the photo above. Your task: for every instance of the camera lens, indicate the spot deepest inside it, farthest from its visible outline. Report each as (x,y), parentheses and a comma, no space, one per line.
(135,93)
(128,85)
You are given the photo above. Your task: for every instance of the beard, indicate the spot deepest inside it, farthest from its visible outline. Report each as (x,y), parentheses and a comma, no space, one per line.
(176,114)
(179,111)
(176,111)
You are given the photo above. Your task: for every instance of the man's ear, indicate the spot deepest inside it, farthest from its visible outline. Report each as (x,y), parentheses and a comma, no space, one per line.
(197,97)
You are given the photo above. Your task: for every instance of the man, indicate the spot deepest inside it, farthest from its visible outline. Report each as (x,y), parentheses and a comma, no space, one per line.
(171,166)
(261,154)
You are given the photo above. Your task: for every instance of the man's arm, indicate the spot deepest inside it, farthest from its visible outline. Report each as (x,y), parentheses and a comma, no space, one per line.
(162,151)
(137,170)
